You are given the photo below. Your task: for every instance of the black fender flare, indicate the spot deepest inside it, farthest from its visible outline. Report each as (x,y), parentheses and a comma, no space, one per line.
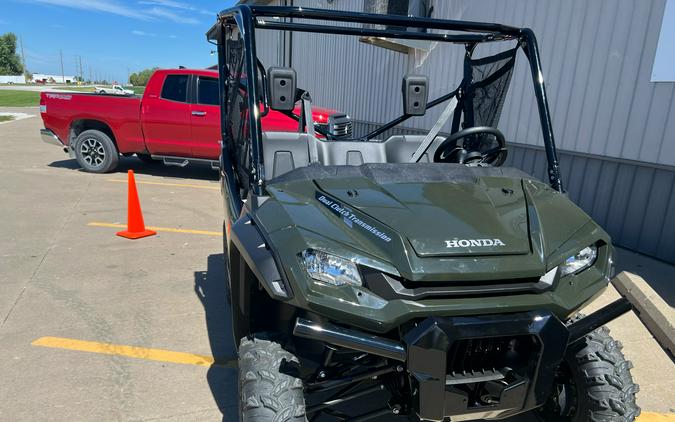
(259,255)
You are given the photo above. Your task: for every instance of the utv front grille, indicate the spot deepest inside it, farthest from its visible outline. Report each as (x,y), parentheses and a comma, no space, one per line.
(483,366)
(390,287)
(488,359)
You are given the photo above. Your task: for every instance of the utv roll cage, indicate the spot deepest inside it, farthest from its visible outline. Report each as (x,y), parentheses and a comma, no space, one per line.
(248,17)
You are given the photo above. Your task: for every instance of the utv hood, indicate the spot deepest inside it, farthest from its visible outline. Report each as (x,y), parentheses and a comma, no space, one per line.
(486,216)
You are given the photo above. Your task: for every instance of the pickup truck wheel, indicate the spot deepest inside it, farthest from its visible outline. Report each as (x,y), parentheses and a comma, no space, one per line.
(266,393)
(96,152)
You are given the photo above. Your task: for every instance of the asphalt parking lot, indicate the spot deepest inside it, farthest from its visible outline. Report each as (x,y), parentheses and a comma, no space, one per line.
(97,327)
(64,278)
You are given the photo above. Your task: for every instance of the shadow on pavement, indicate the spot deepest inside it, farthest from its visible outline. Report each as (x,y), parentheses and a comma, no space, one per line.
(211,289)
(198,171)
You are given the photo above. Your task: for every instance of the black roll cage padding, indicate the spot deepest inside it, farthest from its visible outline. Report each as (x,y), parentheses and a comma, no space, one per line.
(246,17)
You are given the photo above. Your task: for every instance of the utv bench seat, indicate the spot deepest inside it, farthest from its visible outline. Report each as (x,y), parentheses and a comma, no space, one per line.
(287,155)
(286,151)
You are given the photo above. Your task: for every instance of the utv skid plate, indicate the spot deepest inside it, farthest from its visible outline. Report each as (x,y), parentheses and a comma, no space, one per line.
(464,368)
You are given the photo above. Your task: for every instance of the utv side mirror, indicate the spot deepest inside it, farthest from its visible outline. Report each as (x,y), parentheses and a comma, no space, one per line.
(282,83)
(415,95)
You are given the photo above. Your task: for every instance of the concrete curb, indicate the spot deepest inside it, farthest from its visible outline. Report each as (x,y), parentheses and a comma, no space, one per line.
(654,312)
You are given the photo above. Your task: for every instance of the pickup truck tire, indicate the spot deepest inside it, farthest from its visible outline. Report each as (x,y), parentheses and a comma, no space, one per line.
(96,152)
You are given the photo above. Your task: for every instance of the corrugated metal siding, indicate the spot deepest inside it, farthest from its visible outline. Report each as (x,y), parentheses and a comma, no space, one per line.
(330,68)
(597,58)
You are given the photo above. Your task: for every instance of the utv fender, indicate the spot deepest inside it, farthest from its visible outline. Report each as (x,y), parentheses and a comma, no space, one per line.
(259,257)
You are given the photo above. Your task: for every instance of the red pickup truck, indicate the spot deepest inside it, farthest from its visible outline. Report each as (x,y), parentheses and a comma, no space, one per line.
(177,120)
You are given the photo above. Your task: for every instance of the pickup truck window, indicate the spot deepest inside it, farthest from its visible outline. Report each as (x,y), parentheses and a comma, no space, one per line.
(207,91)
(175,88)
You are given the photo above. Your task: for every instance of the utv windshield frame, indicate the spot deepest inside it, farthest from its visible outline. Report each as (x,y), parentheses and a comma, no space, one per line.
(247,19)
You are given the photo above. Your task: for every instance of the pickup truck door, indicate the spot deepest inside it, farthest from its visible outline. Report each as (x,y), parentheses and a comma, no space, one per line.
(166,118)
(205,115)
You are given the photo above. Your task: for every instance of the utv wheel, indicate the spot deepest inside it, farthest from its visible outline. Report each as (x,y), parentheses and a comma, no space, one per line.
(593,384)
(96,152)
(267,395)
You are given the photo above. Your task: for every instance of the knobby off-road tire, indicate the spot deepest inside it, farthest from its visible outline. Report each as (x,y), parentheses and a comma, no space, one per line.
(600,381)
(96,152)
(266,394)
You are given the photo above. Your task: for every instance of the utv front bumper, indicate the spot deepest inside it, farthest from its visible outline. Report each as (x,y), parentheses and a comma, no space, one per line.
(469,368)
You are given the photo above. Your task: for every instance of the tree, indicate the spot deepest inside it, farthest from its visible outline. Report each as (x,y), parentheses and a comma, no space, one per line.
(142,77)
(10,63)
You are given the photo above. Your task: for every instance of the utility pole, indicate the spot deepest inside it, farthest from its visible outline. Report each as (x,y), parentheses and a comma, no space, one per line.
(128,76)
(23,59)
(63,75)
(81,74)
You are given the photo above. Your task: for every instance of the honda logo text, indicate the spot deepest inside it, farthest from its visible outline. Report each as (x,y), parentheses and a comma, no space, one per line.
(465,243)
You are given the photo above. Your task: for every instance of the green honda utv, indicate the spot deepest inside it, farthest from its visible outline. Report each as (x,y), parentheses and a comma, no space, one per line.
(398,270)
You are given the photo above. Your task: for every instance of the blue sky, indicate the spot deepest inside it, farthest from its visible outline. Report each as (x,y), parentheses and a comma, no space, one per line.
(112,36)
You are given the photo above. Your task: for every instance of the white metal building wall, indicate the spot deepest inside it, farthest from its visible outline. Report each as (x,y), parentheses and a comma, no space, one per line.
(615,129)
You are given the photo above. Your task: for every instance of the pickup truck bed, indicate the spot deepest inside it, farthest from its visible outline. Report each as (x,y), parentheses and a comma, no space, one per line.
(177,119)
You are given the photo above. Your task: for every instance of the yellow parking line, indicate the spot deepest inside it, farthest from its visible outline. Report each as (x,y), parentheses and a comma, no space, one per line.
(157,229)
(656,417)
(181,185)
(121,350)
(200,360)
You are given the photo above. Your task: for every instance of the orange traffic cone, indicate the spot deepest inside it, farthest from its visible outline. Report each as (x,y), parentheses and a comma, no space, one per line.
(135,226)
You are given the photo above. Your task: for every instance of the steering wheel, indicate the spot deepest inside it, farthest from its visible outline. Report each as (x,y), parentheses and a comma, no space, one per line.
(475,148)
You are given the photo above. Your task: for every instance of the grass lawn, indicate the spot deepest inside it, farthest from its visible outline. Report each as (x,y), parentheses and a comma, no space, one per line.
(6,118)
(11,98)
(76,88)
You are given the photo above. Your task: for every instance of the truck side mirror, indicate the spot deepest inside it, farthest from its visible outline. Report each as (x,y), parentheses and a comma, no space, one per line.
(415,95)
(282,84)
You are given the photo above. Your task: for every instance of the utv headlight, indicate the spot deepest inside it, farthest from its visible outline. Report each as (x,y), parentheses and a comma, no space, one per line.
(330,269)
(579,261)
